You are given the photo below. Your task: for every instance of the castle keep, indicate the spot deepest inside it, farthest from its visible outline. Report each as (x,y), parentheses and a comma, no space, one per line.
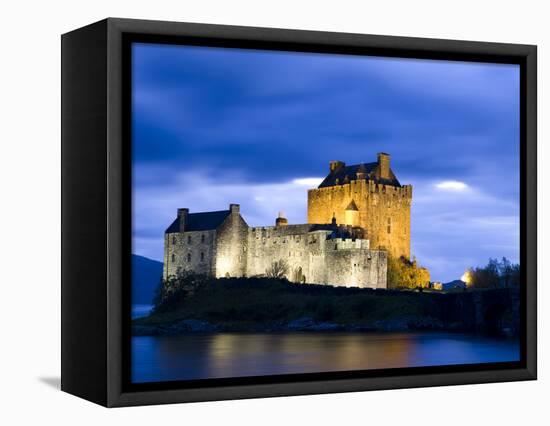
(369,196)
(357,215)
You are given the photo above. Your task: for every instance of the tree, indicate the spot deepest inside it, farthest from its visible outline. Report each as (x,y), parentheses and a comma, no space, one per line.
(496,274)
(176,289)
(403,272)
(278,269)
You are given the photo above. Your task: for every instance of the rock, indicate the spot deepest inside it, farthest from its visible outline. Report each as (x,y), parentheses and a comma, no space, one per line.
(326,326)
(308,324)
(300,324)
(191,326)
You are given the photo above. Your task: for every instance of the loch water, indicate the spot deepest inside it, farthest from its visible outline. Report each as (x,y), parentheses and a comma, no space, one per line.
(220,355)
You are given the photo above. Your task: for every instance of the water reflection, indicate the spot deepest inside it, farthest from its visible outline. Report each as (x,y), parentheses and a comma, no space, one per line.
(201,356)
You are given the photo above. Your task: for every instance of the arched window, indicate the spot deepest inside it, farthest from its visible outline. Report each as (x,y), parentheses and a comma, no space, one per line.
(202,256)
(189,257)
(202,238)
(173,239)
(173,258)
(189,239)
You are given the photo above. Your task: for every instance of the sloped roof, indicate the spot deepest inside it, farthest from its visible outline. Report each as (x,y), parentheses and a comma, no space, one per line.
(338,177)
(200,221)
(352,206)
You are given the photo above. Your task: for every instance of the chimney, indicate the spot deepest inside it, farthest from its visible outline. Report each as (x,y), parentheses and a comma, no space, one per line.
(234,208)
(182,215)
(383,165)
(281,220)
(335,165)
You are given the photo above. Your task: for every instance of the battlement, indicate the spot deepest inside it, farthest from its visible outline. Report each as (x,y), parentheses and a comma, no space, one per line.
(347,244)
(365,186)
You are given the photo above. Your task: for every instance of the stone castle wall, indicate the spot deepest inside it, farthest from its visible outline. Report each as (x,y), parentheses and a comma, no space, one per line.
(291,243)
(231,246)
(314,259)
(383,210)
(355,267)
(189,251)
(235,250)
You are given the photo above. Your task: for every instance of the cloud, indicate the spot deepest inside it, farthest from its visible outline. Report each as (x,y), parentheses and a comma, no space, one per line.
(204,190)
(219,126)
(451,233)
(451,185)
(311,182)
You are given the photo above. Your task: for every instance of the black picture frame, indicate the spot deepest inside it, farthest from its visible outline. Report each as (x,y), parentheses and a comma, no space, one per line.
(96,209)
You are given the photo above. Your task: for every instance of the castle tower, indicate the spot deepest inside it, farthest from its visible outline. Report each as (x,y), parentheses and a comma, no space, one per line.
(351,214)
(368,196)
(281,220)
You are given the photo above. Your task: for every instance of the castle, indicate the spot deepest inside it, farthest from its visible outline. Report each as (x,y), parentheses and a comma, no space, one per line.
(356,216)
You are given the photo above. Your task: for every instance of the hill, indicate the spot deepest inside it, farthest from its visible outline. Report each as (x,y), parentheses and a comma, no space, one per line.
(146,274)
(454,284)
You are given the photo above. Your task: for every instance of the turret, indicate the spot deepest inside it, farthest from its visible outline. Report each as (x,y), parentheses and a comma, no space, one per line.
(351,214)
(281,220)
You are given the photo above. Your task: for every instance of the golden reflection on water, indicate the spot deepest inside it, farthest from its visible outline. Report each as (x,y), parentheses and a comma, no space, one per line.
(201,356)
(303,352)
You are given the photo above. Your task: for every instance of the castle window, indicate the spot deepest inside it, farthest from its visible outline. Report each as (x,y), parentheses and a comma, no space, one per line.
(202,238)
(189,239)
(202,256)
(173,239)
(173,258)
(189,257)
(389,225)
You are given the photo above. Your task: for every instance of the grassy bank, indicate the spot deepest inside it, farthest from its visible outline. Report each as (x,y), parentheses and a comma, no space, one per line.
(263,304)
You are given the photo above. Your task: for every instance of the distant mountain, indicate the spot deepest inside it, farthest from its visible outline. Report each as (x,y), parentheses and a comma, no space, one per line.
(146,275)
(454,284)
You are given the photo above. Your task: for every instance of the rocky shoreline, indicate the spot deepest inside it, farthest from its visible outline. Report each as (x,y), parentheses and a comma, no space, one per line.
(303,324)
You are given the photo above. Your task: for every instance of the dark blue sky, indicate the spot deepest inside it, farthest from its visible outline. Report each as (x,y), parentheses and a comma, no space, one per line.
(216,126)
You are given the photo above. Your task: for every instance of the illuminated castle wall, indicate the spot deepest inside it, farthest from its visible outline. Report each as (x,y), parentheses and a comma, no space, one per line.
(221,244)
(369,196)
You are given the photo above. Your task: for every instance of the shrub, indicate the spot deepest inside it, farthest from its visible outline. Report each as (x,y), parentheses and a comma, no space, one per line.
(403,272)
(278,269)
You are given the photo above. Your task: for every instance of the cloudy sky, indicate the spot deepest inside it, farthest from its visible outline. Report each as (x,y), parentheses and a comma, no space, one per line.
(216,126)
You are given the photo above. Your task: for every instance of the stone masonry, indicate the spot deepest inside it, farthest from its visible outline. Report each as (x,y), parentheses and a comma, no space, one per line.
(368,196)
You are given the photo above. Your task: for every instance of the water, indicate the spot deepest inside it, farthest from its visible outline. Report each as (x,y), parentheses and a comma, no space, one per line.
(139,311)
(201,356)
